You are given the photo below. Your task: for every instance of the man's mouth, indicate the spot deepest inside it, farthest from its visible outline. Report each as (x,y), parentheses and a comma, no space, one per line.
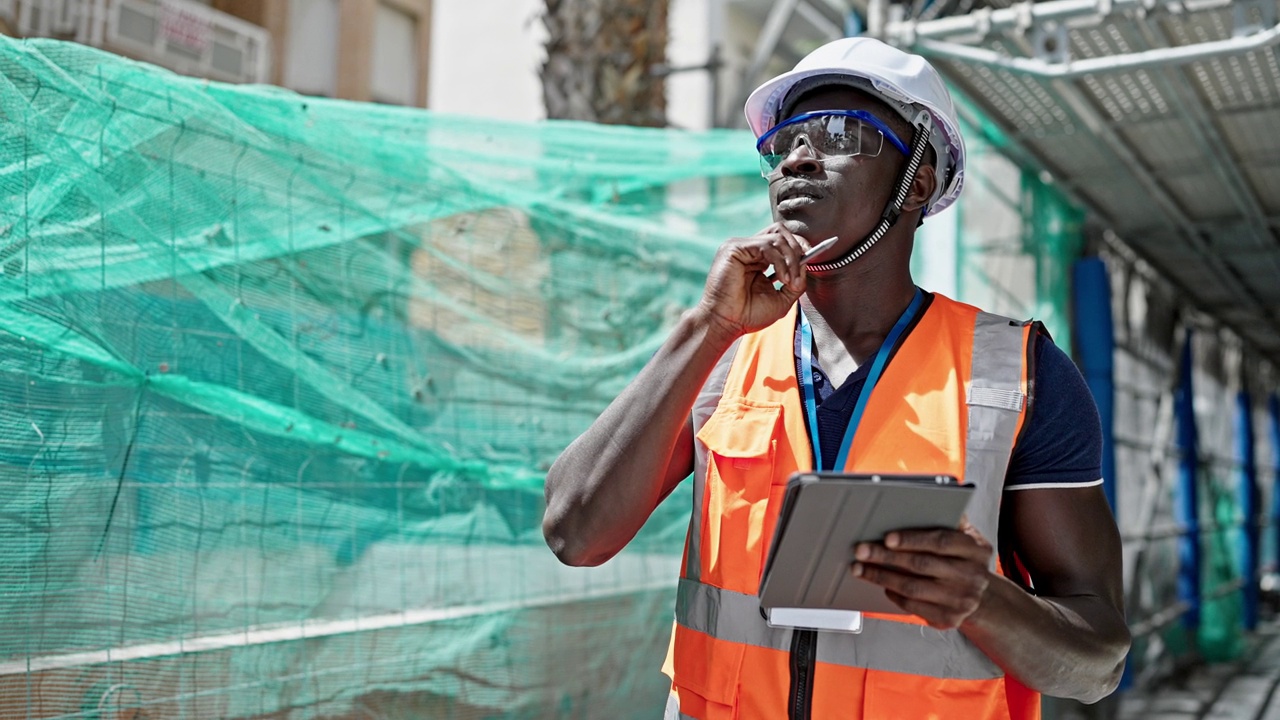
(796,196)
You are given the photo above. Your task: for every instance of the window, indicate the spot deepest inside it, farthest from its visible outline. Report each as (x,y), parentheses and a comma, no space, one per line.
(395,57)
(311,61)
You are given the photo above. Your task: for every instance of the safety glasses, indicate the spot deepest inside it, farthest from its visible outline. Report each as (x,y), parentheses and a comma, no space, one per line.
(827,133)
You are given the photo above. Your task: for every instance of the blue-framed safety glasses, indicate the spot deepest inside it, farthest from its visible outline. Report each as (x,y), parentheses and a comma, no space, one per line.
(828,133)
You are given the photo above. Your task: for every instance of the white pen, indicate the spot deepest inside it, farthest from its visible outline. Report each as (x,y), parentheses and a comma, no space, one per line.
(810,253)
(820,247)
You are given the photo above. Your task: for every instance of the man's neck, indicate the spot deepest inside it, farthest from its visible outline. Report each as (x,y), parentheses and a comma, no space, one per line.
(854,310)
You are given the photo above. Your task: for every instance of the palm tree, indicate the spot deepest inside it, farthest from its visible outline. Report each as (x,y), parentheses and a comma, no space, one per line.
(601,61)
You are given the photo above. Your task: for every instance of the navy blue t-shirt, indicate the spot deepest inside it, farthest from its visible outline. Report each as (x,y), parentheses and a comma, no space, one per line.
(1061,441)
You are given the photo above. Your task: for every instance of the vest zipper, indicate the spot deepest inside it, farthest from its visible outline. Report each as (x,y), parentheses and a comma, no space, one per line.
(804,653)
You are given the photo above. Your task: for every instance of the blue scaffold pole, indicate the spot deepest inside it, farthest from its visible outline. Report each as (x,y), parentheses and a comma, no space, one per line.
(1094,333)
(1273,410)
(1095,346)
(1185,502)
(1249,502)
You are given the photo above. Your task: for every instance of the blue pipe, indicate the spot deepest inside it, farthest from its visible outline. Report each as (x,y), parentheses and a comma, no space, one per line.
(1095,346)
(1273,408)
(1249,501)
(1185,505)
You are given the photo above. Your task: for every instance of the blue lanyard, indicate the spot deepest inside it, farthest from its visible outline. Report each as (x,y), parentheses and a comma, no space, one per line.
(873,376)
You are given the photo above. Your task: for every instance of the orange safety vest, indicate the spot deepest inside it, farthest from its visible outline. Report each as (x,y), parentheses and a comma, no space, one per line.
(951,401)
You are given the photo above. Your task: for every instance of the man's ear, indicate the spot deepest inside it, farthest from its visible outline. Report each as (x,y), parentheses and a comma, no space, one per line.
(922,187)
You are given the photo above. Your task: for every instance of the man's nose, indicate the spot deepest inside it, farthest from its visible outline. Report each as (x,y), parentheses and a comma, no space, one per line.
(802,160)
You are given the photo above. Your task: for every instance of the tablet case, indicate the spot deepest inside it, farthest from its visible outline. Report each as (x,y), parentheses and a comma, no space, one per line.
(825,514)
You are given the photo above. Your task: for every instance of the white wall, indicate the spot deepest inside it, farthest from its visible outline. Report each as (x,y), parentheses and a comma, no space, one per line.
(485,56)
(695,26)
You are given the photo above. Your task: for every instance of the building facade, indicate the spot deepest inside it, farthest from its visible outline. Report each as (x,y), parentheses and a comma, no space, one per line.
(367,50)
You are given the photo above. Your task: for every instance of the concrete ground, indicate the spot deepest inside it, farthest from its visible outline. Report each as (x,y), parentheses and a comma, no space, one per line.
(1241,690)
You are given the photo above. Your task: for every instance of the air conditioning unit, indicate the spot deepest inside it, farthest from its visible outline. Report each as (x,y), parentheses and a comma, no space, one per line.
(190,38)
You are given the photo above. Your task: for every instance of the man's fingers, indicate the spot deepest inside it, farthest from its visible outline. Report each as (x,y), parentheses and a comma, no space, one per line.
(784,255)
(940,541)
(795,248)
(940,575)
(751,255)
(960,591)
(942,604)
(923,564)
(741,292)
(967,528)
(937,616)
(798,247)
(800,243)
(783,270)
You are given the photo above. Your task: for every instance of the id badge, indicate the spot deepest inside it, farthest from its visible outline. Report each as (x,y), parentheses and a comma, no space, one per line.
(845,621)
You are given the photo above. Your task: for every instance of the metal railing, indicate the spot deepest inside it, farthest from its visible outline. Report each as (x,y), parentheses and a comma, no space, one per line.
(184,36)
(1154,621)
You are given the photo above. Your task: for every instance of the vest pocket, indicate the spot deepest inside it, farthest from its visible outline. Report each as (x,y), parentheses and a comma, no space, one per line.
(706,675)
(890,695)
(741,439)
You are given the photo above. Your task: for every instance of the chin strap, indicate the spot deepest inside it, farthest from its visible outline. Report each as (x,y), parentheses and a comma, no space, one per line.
(920,143)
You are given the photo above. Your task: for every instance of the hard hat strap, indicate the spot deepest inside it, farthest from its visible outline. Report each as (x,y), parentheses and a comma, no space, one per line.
(892,210)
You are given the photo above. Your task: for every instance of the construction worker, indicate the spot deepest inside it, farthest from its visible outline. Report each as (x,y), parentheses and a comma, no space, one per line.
(842,363)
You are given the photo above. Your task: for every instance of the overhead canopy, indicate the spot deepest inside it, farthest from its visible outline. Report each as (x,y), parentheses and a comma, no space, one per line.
(1163,118)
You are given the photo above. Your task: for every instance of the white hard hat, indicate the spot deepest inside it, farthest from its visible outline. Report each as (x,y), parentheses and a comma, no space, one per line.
(905,82)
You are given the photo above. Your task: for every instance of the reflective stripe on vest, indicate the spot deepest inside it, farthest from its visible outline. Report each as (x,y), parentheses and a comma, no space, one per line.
(952,402)
(996,402)
(911,648)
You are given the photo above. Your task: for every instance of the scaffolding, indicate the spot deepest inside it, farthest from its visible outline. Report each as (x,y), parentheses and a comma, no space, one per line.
(1157,118)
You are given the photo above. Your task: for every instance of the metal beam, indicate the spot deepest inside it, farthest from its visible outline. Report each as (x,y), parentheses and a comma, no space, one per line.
(1066,95)
(819,21)
(1271,221)
(1165,57)
(770,35)
(1055,80)
(1214,148)
(1015,147)
(1175,219)
(1022,16)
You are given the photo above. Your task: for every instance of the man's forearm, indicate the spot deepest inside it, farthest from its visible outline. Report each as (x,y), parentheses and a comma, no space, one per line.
(1066,647)
(604,486)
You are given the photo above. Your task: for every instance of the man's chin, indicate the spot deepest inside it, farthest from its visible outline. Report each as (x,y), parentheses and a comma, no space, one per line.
(808,231)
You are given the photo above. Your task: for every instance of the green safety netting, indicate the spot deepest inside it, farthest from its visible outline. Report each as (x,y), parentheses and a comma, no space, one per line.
(280,380)
(1220,636)
(1018,234)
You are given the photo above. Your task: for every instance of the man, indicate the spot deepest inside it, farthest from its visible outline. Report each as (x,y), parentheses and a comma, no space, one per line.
(844,364)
